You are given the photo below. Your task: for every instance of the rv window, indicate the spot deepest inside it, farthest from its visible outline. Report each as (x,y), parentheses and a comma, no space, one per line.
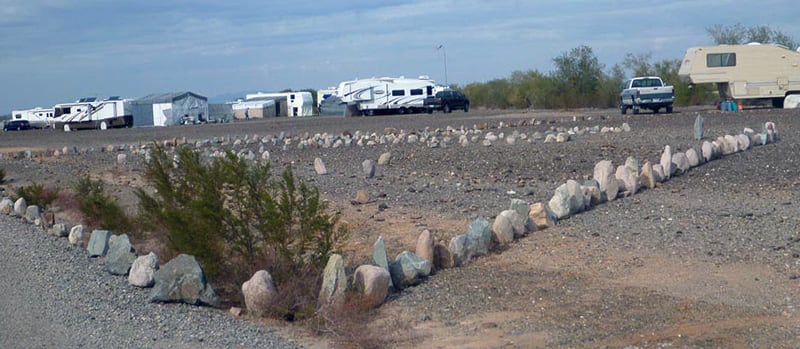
(17,116)
(416,92)
(398,92)
(430,90)
(720,60)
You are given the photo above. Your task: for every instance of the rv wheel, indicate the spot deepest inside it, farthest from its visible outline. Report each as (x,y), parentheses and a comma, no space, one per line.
(66,128)
(103,125)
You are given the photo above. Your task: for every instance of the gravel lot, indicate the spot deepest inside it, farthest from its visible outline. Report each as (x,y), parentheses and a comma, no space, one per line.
(709,259)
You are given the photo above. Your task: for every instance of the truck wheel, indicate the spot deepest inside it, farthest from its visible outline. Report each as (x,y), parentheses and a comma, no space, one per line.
(655,110)
(446,108)
(430,110)
(669,109)
(623,109)
(466,107)
(635,110)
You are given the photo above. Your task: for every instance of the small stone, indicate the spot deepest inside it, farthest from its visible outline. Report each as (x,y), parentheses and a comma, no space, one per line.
(319,167)
(368,167)
(385,159)
(362,197)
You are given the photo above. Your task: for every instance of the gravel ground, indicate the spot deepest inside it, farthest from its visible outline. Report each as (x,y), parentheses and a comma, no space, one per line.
(709,259)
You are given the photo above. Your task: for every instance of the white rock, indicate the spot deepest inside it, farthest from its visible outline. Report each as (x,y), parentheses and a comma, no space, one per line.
(604,175)
(666,162)
(691,156)
(143,270)
(320,167)
(76,235)
(259,293)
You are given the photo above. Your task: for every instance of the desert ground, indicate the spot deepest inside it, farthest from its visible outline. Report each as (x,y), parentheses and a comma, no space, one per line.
(708,259)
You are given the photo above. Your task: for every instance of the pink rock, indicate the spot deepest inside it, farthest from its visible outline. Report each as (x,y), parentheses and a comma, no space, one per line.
(259,293)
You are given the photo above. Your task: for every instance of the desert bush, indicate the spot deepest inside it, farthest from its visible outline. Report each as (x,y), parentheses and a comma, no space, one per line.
(236,219)
(38,194)
(2,176)
(98,208)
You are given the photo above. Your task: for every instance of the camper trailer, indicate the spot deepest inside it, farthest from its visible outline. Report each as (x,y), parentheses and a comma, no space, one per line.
(299,103)
(385,95)
(746,72)
(36,117)
(91,113)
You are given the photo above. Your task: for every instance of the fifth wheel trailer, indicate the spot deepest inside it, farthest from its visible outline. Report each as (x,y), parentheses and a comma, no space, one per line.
(746,72)
(385,95)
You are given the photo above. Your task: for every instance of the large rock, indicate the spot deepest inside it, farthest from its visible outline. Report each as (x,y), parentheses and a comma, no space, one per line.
(744,142)
(408,269)
(385,159)
(658,173)
(647,179)
(120,256)
(442,258)
(33,214)
(143,270)
(98,243)
(334,282)
(502,230)
(6,206)
(541,215)
(59,230)
(425,243)
(692,157)
(320,167)
(698,127)
(458,250)
(517,221)
(373,284)
(681,163)
(666,162)
(20,206)
(524,210)
(629,180)
(260,293)
(479,237)
(708,151)
(633,166)
(368,168)
(76,235)
(379,255)
(604,175)
(567,200)
(182,280)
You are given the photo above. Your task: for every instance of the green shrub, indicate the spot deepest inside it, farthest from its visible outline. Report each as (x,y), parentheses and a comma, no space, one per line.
(236,219)
(98,208)
(37,194)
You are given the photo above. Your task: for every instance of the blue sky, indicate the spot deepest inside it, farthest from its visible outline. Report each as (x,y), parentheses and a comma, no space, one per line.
(56,51)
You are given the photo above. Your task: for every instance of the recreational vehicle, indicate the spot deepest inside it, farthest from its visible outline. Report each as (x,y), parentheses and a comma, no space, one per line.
(89,113)
(385,95)
(36,117)
(746,72)
(299,103)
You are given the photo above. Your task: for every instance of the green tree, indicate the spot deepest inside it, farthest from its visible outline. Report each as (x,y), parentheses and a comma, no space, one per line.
(738,34)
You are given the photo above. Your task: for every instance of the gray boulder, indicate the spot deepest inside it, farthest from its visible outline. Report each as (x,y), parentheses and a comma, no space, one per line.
(524,210)
(666,162)
(502,230)
(604,175)
(6,206)
(692,157)
(319,167)
(120,256)
(368,167)
(259,293)
(567,200)
(629,180)
(373,284)
(479,237)
(681,163)
(20,206)
(334,282)
(458,250)
(408,269)
(76,235)
(33,214)
(385,159)
(517,221)
(633,166)
(698,127)
(379,256)
(708,151)
(182,280)
(647,178)
(59,230)
(743,141)
(98,243)
(143,270)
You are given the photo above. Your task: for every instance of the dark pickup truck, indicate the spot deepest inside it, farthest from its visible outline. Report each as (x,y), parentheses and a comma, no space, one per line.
(446,101)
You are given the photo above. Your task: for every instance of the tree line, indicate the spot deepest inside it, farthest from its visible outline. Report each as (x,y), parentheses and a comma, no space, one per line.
(580,80)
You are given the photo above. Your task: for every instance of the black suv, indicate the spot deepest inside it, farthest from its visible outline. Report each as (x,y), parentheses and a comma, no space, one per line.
(16,125)
(446,101)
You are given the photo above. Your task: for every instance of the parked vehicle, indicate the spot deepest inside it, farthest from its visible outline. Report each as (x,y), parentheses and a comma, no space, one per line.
(446,101)
(746,72)
(37,117)
(647,92)
(385,95)
(89,113)
(16,125)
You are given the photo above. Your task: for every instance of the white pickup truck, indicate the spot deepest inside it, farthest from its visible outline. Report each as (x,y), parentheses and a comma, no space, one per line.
(647,92)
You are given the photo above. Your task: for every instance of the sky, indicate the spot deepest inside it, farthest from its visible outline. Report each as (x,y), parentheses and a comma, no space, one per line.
(55,51)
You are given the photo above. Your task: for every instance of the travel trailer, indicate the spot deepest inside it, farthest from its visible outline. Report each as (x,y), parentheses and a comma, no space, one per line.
(385,95)
(299,103)
(36,117)
(746,72)
(90,113)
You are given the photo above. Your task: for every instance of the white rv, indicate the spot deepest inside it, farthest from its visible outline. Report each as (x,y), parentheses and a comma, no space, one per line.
(37,117)
(746,72)
(385,95)
(91,113)
(299,103)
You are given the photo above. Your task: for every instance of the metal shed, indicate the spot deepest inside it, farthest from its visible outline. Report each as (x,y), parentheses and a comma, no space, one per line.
(167,109)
